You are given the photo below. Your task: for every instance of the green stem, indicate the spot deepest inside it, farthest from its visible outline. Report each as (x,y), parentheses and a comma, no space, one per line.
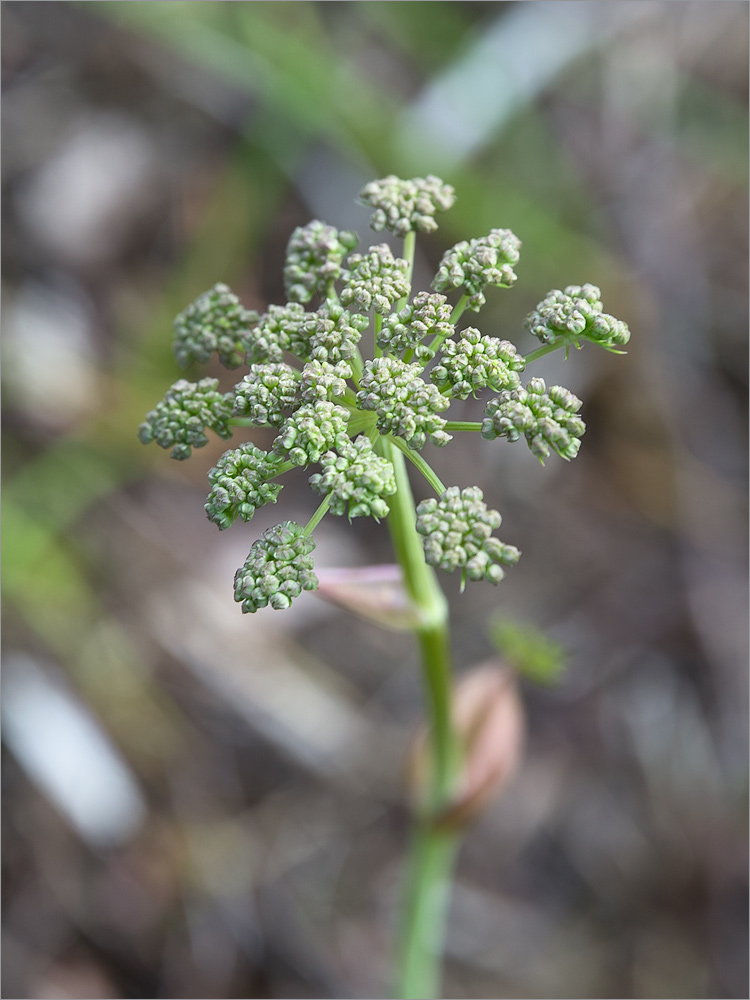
(432,856)
(456,315)
(377,327)
(243,422)
(410,242)
(359,421)
(432,629)
(420,580)
(540,352)
(428,882)
(281,469)
(416,459)
(317,516)
(462,425)
(458,309)
(357,365)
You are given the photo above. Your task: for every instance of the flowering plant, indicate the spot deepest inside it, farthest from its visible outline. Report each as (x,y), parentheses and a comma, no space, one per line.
(360,420)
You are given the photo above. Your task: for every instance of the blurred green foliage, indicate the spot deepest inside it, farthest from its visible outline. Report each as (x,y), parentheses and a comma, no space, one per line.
(528,651)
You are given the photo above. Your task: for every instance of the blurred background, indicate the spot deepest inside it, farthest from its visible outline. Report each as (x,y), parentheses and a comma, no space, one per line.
(204,804)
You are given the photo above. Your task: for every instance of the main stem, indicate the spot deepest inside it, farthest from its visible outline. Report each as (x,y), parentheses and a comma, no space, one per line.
(432,850)
(428,888)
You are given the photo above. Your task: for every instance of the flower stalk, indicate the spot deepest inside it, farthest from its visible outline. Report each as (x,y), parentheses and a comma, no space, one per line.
(433,850)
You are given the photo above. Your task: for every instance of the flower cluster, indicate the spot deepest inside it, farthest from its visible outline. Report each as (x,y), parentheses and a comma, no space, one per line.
(547,419)
(352,416)
(576,314)
(403,206)
(428,315)
(311,430)
(216,322)
(279,330)
(474,362)
(355,476)
(376,281)
(405,404)
(240,483)
(475,264)
(314,259)
(179,421)
(267,394)
(332,333)
(321,380)
(278,568)
(457,530)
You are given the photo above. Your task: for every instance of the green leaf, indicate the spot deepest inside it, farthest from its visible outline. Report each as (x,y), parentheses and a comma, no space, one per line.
(528,651)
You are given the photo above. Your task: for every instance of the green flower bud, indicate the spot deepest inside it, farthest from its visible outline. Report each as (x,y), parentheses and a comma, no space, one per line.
(402,206)
(321,380)
(547,419)
(179,420)
(240,484)
(314,258)
(576,314)
(405,404)
(216,321)
(312,430)
(267,394)
(376,280)
(475,264)
(332,333)
(474,362)
(457,532)
(278,568)
(279,330)
(354,475)
(428,315)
